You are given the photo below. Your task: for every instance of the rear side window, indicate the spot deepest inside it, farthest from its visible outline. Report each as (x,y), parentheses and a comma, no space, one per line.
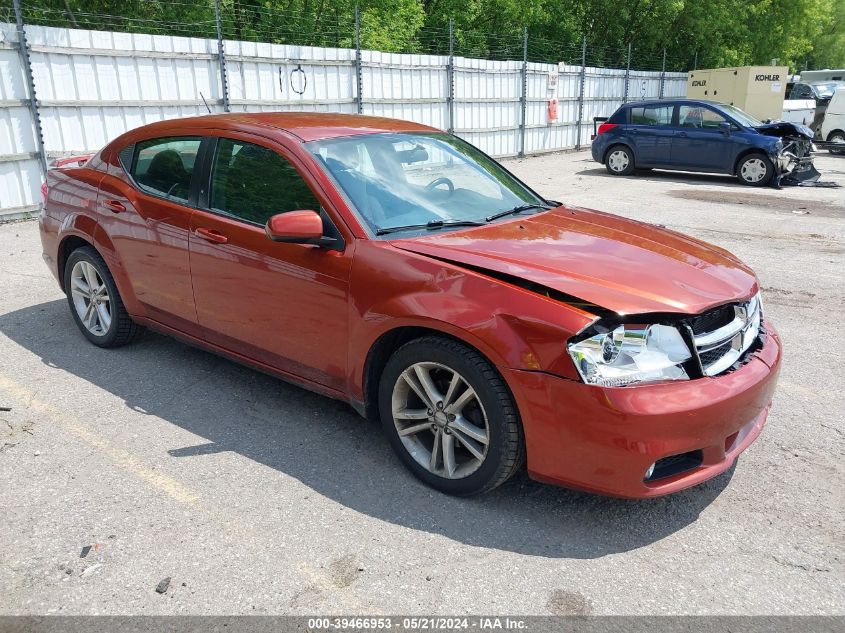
(619,117)
(652,115)
(164,166)
(252,183)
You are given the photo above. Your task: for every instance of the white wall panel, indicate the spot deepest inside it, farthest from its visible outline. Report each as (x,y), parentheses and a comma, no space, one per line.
(94,85)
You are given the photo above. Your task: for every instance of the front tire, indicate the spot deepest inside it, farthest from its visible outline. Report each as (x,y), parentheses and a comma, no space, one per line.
(619,160)
(755,170)
(95,303)
(450,417)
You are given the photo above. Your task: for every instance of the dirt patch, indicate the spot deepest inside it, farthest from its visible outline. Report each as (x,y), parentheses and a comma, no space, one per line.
(568,603)
(786,202)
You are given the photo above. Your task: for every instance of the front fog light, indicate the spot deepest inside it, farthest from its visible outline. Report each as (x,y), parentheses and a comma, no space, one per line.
(650,471)
(631,354)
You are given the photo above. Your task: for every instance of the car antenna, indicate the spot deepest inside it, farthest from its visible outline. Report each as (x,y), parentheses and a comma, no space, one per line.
(206,103)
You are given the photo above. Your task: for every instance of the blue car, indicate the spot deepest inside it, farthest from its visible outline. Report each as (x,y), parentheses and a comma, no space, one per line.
(704,136)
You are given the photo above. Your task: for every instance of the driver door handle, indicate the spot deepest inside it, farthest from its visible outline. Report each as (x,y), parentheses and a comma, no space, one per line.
(115,206)
(210,235)
(682,134)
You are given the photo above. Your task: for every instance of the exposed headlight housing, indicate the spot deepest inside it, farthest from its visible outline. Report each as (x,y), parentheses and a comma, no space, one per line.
(631,354)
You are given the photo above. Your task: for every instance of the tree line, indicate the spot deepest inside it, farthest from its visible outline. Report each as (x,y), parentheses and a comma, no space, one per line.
(706,33)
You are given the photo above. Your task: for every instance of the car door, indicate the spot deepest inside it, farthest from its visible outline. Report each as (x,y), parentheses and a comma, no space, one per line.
(650,131)
(699,143)
(146,211)
(283,305)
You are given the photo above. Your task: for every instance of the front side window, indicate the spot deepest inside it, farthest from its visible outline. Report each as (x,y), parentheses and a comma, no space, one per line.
(699,117)
(252,183)
(408,179)
(164,166)
(652,115)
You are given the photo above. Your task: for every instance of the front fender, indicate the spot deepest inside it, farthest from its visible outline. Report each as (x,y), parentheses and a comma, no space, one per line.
(513,327)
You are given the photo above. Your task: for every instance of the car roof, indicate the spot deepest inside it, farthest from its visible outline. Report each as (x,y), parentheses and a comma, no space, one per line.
(308,126)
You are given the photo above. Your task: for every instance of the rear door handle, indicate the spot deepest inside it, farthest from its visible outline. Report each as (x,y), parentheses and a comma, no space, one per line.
(115,206)
(210,235)
(682,134)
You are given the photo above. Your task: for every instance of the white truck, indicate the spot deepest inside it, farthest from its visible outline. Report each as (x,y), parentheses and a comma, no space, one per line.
(833,124)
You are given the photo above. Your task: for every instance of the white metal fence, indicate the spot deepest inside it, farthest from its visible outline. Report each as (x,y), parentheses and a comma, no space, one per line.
(93,85)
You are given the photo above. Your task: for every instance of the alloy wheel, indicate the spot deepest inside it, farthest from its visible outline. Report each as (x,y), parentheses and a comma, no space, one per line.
(440,420)
(91,298)
(618,160)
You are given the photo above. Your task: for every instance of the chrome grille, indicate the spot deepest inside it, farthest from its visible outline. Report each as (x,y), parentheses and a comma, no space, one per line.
(723,335)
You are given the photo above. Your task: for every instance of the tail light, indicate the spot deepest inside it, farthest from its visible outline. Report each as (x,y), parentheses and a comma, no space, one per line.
(44,192)
(606,127)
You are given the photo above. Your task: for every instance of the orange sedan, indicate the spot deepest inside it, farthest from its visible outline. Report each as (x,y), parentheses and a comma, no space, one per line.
(400,269)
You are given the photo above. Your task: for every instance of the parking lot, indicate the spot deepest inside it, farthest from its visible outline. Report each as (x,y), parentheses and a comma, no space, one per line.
(257,497)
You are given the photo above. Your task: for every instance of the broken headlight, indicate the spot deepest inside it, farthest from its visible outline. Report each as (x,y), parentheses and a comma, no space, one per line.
(631,354)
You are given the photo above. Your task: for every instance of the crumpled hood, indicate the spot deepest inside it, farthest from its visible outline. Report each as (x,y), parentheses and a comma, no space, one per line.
(785,128)
(618,264)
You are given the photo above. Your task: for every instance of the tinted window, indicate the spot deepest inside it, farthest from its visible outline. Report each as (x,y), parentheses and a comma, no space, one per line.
(619,116)
(699,117)
(801,91)
(253,183)
(163,166)
(651,115)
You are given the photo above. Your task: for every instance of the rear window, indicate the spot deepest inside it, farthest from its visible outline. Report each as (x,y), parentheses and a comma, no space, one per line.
(652,115)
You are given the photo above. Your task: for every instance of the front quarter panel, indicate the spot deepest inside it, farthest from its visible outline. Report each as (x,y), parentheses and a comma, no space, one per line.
(513,327)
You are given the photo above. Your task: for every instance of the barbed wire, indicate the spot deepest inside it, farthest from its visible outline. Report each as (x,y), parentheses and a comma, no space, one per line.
(333,26)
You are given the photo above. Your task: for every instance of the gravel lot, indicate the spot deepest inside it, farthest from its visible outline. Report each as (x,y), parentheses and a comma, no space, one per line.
(256,497)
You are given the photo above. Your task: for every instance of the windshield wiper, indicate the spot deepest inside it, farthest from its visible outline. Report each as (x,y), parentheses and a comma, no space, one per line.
(431,224)
(518,209)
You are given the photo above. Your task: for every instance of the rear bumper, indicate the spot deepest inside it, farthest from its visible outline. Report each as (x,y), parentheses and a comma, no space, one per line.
(604,439)
(48,228)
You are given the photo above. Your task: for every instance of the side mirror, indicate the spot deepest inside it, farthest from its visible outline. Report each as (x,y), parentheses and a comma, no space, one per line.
(725,128)
(297,227)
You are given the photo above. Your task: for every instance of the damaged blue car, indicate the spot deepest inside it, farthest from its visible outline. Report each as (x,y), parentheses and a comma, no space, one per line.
(704,136)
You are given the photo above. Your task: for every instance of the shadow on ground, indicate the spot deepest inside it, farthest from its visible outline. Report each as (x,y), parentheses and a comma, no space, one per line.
(326,446)
(687,178)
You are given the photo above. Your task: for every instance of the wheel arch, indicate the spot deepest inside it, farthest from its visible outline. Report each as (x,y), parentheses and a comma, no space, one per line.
(834,131)
(382,349)
(747,152)
(67,245)
(617,144)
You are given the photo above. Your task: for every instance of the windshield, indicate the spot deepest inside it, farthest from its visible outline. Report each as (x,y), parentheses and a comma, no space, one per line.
(827,90)
(413,180)
(743,118)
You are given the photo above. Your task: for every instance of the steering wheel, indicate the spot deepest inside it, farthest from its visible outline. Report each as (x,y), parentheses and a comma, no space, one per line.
(441,181)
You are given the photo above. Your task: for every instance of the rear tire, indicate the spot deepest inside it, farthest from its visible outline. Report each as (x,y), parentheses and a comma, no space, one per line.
(619,160)
(450,416)
(755,170)
(94,301)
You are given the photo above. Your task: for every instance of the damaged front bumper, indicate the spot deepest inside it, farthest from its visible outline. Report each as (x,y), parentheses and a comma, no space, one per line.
(794,163)
(793,156)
